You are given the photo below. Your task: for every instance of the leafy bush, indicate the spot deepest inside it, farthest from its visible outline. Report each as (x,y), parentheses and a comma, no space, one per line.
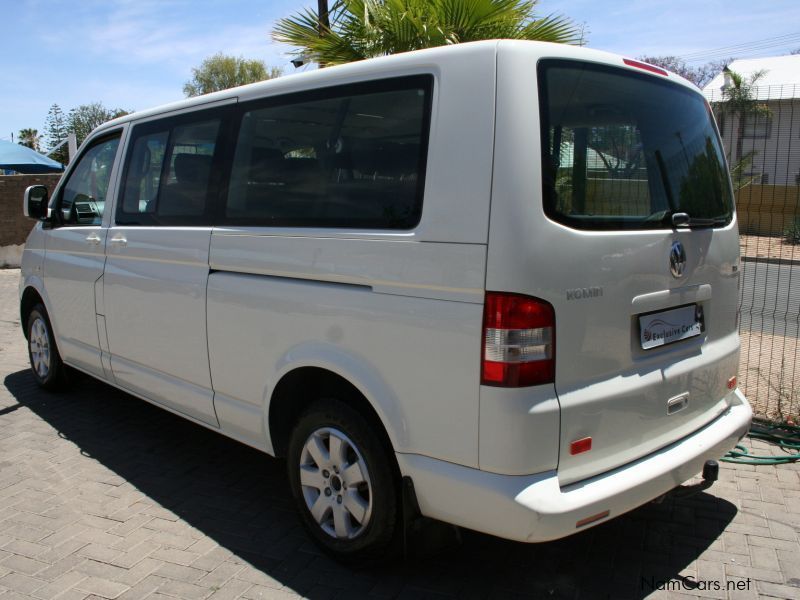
(792,233)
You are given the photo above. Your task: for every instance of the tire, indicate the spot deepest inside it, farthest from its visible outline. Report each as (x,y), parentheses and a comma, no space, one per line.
(348,502)
(48,369)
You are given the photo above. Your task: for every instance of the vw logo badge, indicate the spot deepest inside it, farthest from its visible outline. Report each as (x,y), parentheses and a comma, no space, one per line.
(677,259)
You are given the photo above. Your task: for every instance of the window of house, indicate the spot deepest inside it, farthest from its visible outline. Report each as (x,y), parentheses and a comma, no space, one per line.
(757,126)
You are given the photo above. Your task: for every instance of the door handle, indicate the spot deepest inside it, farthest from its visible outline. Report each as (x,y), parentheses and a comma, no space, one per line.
(119,240)
(93,239)
(677,403)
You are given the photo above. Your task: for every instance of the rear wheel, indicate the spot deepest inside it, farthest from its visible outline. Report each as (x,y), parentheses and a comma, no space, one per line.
(46,364)
(343,482)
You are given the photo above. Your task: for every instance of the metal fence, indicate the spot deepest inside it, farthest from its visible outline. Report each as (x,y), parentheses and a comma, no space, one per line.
(760,128)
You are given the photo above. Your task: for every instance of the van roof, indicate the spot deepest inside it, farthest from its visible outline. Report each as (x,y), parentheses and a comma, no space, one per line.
(384,66)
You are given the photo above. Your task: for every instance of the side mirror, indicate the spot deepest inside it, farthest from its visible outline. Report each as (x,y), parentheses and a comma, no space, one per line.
(34,204)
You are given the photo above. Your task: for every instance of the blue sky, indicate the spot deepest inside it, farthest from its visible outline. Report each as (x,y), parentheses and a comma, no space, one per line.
(135,54)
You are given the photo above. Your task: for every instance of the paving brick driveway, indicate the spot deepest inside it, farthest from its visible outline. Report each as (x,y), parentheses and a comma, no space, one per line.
(105,496)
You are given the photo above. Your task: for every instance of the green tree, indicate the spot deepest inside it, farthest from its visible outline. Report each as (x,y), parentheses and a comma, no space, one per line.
(221,72)
(30,138)
(55,131)
(83,119)
(362,29)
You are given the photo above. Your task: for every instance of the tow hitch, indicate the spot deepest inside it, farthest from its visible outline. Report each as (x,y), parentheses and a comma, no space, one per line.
(710,475)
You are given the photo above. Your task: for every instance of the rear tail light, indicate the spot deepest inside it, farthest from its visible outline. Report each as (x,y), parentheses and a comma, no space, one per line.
(518,341)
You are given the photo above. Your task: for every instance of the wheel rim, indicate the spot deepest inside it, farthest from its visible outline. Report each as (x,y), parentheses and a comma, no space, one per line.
(39,343)
(335,483)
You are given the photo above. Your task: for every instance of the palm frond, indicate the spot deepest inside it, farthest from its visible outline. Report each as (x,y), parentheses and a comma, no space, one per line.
(553,28)
(366,28)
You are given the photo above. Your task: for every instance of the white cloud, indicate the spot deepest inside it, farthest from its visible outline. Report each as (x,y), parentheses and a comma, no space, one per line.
(140,33)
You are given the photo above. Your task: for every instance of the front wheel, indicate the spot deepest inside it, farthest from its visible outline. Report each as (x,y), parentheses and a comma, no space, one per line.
(46,364)
(343,482)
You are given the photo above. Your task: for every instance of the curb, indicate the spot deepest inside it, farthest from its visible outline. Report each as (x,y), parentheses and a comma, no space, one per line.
(771,261)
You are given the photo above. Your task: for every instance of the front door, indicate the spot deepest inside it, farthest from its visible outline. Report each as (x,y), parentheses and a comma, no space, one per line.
(75,253)
(157,266)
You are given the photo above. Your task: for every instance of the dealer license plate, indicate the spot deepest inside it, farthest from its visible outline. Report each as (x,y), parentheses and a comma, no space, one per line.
(668,326)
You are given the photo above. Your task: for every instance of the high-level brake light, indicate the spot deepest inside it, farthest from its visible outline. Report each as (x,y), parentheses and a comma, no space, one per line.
(644,66)
(518,341)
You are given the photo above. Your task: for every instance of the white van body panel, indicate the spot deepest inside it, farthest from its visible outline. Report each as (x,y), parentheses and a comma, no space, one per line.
(256,324)
(33,261)
(155,296)
(396,265)
(205,321)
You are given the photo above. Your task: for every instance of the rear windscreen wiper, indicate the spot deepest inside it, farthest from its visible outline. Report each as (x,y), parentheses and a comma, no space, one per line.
(682,219)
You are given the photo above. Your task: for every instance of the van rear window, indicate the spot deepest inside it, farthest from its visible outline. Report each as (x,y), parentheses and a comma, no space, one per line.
(623,150)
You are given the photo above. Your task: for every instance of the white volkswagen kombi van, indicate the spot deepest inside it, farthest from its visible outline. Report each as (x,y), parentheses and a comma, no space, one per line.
(502,275)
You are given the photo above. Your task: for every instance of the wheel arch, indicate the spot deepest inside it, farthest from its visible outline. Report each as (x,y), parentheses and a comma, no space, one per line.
(298,388)
(30,298)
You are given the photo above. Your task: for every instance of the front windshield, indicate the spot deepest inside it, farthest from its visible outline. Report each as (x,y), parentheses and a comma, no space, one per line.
(623,150)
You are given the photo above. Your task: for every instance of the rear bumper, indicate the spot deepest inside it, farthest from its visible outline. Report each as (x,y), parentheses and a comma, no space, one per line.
(535,508)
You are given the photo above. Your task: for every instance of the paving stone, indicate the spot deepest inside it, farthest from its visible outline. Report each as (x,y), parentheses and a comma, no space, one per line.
(59,585)
(178,572)
(743,589)
(134,555)
(231,590)
(99,552)
(173,555)
(221,575)
(102,587)
(23,564)
(182,589)
(143,588)
(779,591)
(24,584)
(771,575)
(24,548)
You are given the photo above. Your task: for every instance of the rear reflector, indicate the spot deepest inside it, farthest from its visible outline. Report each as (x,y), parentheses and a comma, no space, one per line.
(518,341)
(640,65)
(582,445)
(592,519)
(732,383)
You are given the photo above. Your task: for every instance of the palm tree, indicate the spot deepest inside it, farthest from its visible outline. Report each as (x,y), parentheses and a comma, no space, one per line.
(362,29)
(740,100)
(30,138)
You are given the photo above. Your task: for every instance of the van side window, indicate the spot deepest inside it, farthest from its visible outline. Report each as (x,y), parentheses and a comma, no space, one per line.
(83,198)
(144,174)
(168,174)
(351,156)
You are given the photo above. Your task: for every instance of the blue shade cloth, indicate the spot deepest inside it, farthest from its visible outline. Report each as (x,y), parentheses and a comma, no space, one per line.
(24,160)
